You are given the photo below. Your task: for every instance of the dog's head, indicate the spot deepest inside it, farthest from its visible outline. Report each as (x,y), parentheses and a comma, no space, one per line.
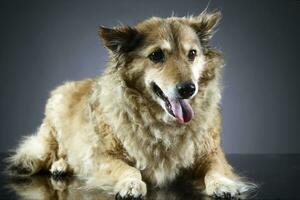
(164,57)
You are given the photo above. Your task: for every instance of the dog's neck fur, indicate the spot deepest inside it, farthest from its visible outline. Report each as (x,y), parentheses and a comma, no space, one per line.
(162,141)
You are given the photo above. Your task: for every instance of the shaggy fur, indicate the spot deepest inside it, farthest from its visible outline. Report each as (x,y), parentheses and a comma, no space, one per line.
(115,132)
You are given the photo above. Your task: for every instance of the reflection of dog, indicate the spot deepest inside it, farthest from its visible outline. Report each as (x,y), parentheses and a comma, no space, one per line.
(44,187)
(69,187)
(153,113)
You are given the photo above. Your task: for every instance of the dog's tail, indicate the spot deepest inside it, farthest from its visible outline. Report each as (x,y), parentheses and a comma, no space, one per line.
(36,152)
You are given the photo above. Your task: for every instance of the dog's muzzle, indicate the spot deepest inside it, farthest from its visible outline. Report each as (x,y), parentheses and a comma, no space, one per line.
(177,107)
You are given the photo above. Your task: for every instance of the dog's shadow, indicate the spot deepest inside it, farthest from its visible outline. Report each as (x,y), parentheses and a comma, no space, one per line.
(68,187)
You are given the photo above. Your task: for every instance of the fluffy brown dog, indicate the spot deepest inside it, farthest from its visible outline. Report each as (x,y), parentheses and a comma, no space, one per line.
(153,114)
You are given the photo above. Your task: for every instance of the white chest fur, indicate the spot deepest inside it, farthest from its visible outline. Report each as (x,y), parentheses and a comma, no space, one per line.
(161,160)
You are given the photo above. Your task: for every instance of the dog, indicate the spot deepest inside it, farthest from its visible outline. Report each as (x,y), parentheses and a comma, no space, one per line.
(152,115)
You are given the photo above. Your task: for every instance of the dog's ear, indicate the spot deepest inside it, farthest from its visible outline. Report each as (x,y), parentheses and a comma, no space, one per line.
(204,25)
(121,39)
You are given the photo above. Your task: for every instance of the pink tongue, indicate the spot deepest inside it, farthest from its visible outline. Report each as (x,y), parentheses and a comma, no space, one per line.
(182,110)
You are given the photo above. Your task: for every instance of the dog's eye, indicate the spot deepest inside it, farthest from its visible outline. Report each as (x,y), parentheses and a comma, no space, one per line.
(192,54)
(157,56)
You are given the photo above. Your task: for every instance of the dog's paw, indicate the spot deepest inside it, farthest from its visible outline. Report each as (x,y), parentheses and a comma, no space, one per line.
(22,166)
(59,168)
(131,189)
(222,187)
(20,169)
(118,197)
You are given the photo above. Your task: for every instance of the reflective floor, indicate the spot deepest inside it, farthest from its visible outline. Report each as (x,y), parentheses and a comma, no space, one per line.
(278,177)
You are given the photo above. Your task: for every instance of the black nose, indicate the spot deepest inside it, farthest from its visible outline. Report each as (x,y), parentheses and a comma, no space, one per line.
(186,89)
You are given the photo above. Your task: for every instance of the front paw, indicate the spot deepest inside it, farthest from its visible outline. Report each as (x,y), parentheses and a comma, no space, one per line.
(59,168)
(222,187)
(130,189)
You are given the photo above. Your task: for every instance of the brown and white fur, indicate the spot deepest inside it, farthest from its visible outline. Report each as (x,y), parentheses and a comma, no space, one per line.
(115,132)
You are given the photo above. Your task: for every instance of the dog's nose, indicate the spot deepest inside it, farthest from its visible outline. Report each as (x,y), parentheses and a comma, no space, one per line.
(186,89)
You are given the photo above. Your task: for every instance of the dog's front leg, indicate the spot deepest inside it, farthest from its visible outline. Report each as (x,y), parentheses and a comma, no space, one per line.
(219,178)
(125,181)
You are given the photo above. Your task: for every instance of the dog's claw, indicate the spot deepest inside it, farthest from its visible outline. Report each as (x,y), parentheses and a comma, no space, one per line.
(224,196)
(58,175)
(127,197)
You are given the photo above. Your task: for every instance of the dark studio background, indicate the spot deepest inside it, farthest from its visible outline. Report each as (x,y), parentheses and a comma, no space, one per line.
(44,43)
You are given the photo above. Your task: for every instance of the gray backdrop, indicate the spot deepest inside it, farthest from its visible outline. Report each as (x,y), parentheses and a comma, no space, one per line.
(44,43)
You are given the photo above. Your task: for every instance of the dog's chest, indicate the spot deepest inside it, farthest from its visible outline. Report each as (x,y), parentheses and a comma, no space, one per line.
(157,149)
(162,161)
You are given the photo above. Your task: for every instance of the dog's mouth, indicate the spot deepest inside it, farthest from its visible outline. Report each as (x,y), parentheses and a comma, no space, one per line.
(178,108)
